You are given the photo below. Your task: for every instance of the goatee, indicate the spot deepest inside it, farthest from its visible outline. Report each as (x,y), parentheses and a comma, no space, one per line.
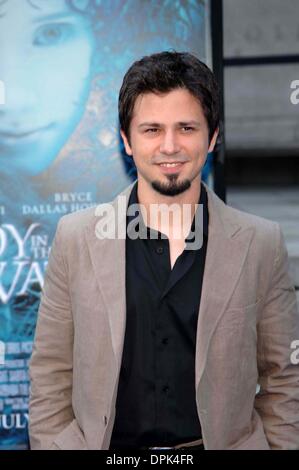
(173,187)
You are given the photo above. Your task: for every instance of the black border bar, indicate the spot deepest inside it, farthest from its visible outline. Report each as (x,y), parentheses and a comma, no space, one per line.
(217,60)
(261,60)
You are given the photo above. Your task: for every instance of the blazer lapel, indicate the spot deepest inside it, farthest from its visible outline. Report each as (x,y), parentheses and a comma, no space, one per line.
(227,249)
(108,262)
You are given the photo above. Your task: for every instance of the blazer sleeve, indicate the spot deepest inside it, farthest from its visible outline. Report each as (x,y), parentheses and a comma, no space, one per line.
(278,399)
(50,369)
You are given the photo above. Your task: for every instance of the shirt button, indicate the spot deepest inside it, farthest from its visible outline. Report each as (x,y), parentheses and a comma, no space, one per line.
(165,340)
(165,389)
(160,250)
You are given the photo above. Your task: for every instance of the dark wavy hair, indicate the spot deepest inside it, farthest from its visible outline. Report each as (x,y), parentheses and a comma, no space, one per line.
(166,71)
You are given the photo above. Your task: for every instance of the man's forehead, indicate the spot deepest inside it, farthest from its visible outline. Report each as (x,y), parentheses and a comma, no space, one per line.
(152,105)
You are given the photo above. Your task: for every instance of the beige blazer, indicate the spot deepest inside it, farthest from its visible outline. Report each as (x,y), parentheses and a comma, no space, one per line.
(247,321)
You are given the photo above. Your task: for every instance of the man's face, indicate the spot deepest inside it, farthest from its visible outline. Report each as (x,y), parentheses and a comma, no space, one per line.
(169,140)
(46,49)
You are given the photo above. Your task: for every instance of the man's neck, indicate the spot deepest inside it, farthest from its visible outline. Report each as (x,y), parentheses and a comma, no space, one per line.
(168,214)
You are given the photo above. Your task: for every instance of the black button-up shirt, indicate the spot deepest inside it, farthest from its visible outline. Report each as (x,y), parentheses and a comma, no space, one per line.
(156,402)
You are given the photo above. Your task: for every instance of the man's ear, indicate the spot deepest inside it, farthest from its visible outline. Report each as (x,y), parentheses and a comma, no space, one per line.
(213,140)
(126,143)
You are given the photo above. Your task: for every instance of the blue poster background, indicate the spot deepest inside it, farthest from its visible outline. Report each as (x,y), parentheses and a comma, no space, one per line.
(62,63)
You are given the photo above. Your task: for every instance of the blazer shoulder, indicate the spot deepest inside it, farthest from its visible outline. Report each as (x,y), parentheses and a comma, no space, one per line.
(74,223)
(267,233)
(232,216)
(77,220)
(246,220)
(268,243)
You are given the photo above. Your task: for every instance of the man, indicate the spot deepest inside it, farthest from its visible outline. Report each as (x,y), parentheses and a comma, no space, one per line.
(156,340)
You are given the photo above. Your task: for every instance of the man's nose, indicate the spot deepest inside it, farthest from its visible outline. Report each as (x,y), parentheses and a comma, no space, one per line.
(169,143)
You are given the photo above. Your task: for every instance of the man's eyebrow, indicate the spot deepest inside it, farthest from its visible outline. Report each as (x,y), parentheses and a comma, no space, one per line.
(149,124)
(180,123)
(189,123)
(54,16)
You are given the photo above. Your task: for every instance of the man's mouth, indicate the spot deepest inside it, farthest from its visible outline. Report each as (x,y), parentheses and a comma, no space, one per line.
(171,167)
(171,164)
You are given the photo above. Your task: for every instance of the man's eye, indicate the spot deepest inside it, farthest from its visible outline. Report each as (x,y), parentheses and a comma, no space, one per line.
(187,128)
(152,130)
(52,34)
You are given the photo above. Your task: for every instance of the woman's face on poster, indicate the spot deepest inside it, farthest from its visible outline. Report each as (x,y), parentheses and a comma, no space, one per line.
(46,48)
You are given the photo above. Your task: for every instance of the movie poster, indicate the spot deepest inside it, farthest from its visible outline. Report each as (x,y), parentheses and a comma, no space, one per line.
(61,67)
